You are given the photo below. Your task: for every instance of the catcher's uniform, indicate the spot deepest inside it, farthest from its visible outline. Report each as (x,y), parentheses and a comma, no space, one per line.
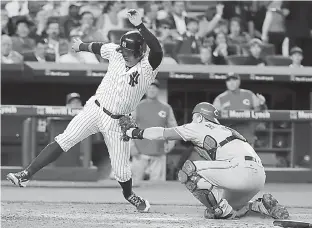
(235,174)
(118,94)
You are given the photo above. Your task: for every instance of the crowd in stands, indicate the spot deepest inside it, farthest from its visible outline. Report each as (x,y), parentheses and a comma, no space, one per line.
(234,32)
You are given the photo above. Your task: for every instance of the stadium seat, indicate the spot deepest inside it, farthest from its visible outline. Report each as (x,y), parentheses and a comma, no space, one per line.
(169,48)
(233,49)
(236,59)
(188,59)
(268,49)
(115,35)
(278,60)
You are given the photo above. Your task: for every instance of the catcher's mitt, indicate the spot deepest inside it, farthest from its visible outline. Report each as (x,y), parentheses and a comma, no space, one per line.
(125,123)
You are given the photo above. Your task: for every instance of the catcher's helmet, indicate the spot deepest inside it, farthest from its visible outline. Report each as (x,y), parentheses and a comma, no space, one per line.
(208,111)
(132,41)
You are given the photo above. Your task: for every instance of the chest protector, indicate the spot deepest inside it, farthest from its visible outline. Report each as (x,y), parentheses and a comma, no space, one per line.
(210,145)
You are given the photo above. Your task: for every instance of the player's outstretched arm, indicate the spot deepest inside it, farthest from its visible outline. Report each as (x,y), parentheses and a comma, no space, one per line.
(156,53)
(154,133)
(94,47)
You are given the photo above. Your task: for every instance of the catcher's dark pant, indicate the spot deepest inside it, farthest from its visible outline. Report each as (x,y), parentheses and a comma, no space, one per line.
(90,120)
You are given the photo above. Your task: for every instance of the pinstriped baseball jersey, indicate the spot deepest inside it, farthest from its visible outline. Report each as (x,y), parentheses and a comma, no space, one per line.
(121,90)
(210,135)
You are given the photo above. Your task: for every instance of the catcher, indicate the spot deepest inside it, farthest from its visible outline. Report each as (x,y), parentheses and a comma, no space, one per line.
(224,172)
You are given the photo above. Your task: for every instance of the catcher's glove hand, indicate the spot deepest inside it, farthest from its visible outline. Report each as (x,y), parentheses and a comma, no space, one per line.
(125,123)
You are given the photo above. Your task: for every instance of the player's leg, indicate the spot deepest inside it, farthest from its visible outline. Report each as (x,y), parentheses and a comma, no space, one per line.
(242,182)
(241,190)
(211,178)
(80,127)
(157,168)
(119,152)
(206,192)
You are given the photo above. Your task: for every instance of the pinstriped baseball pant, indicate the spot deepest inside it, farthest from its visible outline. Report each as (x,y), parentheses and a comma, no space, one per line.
(90,120)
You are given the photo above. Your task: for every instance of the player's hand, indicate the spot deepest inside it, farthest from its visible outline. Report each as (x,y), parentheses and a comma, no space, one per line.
(129,132)
(76,44)
(134,17)
(219,9)
(261,99)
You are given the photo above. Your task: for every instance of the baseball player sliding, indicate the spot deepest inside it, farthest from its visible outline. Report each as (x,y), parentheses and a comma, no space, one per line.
(129,74)
(227,172)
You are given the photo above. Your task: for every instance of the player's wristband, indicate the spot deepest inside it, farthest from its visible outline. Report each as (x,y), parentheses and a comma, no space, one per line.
(137,133)
(84,47)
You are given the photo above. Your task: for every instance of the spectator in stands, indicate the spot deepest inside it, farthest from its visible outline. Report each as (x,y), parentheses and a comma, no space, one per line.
(207,27)
(33,7)
(21,41)
(239,9)
(299,27)
(9,56)
(167,59)
(208,42)
(150,157)
(221,49)
(164,33)
(73,100)
(150,18)
(237,36)
(39,54)
(17,8)
(254,58)
(6,23)
(56,44)
(296,55)
(86,29)
(40,25)
(206,56)
(165,9)
(109,19)
(95,7)
(178,17)
(235,98)
(56,8)
(222,26)
(77,57)
(72,20)
(273,28)
(190,42)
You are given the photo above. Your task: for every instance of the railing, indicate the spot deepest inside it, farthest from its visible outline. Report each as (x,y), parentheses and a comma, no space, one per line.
(29,139)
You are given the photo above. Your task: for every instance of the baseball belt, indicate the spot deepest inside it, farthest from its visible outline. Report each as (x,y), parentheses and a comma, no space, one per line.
(108,112)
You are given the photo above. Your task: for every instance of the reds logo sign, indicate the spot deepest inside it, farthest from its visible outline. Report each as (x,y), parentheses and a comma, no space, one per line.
(123,44)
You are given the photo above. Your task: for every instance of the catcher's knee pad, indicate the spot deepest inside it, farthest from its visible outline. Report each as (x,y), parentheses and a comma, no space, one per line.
(188,176)
(189,168)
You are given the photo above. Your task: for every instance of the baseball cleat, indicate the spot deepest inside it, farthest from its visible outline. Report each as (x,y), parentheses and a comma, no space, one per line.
(141,204)
(268,205)
(20,179)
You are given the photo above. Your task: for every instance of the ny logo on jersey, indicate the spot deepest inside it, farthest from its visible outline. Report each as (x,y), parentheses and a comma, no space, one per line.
(134,78)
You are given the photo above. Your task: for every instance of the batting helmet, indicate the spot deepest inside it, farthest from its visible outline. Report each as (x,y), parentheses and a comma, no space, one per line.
(207,110)
(132,41)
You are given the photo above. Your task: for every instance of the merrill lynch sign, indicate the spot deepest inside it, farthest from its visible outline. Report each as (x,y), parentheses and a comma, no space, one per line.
(245,114)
